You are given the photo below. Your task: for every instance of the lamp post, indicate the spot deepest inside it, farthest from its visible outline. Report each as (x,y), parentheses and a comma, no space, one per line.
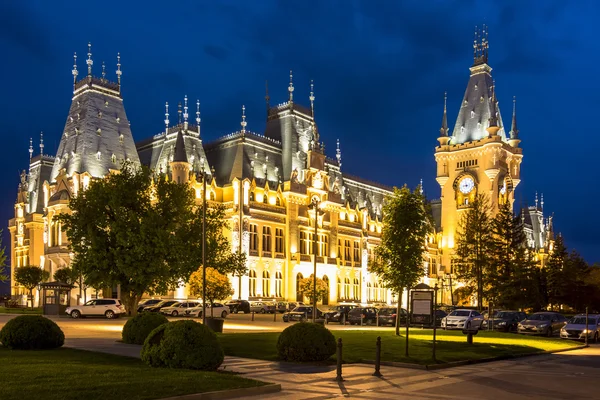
(203,243)
(315,206)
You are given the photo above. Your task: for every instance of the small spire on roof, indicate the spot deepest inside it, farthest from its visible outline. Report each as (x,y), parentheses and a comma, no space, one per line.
(185,110)
(167,117)
(30,148)
(179,113)
(198,114)
(74,71)
(480,46)
(536,199)
(312,99)
(421,186)
(542,202)
(267,97)
(42,143)
(119,72)
(444,128)
(103,72)
(243,123)
(338,154)
(291,88)
(514,131)
(180,154)
(89,60)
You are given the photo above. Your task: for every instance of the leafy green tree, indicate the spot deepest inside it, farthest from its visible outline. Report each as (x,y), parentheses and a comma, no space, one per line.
(3,275)
(473,247)
(30,276)
(577,289)
(555,274)
(218,286)
(307,285)
(399,258)
(143,233)
(65,275)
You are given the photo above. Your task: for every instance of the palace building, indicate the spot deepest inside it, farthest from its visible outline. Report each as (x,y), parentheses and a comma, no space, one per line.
(275,186)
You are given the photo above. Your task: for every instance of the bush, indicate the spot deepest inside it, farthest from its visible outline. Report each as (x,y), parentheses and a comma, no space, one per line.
(31,332)
(137,329)
(183,344)
(305,341)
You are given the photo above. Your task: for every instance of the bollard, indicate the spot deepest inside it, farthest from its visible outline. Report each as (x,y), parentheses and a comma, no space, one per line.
(587,332)
(469,338)
(275,315)
(361,320)
(252,315)
(338,376)
(377,357)
(377,315)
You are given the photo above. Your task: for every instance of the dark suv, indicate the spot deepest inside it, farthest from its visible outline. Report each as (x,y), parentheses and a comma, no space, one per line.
(387,316)
(338,313)
(236,306)
(505,321)
(368,315)
(147,303)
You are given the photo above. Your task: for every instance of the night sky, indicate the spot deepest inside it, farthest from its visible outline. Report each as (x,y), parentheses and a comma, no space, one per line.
(380,70)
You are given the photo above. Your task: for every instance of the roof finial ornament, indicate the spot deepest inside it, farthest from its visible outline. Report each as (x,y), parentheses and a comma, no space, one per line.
(185,110)
(74,71)
(444,128)
(198,115)
(480,46)
(338,154)
(30,148)
(493,127)
(312,99)
(421,186)
(514,132)
(536,199)
(267,97)
(542,202)
(167,117)
(89,60)
(103,72)
(243,123)
(291,87)
(41,143)
(179,113)
(119,72)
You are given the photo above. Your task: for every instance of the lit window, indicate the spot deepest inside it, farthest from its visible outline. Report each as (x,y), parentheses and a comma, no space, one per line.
(266,238)
(266,283)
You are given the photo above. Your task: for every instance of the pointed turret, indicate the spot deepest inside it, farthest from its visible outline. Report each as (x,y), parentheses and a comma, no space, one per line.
(180,167)
(444,139)
(493,127)
(514,131)
(291,88)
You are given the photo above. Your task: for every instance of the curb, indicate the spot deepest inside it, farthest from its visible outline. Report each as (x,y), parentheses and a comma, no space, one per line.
(230,394)
(431,367)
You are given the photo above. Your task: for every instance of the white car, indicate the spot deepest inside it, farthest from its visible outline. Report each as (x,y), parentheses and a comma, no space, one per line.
(110,308)
(218,310)
(462,319)
(179,308)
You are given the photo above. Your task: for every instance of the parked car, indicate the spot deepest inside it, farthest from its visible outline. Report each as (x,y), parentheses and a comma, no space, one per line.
(542,323)
(301,313)
(338,313)
(159,306)
(236,306)
(576,328)
(147,303)
(110,308)
(217,310)
(259,307)
(282,306)
(504,321)
(178,308)
(462,319)
(368,316)
(388,316)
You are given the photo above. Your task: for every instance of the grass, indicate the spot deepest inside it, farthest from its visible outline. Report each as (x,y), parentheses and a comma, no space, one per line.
(19,310)
(360,345)
(68,374)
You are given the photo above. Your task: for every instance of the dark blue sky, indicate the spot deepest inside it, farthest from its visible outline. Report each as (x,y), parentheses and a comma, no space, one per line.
(380,70)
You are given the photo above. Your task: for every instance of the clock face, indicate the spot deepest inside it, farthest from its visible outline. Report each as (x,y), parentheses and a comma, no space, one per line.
(466,185)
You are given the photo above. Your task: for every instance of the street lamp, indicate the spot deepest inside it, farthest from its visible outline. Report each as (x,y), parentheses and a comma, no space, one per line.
(203,174)
(315,206)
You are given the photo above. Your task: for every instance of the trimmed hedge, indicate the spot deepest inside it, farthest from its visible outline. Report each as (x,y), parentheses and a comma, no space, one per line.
(183,344)
(31,332)
(137,329)
(305,341)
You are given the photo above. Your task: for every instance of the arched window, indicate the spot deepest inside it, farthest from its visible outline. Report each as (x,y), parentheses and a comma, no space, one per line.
(265,198)
(277,201)
(326,295)
(347,289)
(369,294)
(252,283)
(251,196)
(356,289)
(212,196)
(376,286)
(299,296)
(278,283)
(339,289)
(266,277)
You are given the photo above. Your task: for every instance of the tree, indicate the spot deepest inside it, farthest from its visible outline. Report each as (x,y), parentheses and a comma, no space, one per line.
(307,289)
(473,247)
(218,286)
(65,275)
(3,275)
(398,260)
(144,233)
(577,289)
(30,276)
(555,275)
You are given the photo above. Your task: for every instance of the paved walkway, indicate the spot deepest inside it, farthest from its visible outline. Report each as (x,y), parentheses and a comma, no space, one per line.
(572,375)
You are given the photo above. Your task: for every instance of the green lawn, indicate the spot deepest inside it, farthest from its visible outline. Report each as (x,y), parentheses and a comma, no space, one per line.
(360,345)
(11,310)
(67,374)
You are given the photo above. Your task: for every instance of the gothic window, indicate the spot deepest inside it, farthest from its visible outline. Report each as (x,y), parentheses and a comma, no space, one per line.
(376,287)
(346,288)
(339,289)
(253,237)
(347,250)
(252,283)
(277,201)
(356,289)
(266,238)
(356,251)
(265,198)
(311,243)
(299,296)
(323,245)
(326,294)
(339,249)
(266,277)
(212,196)
(278,284)
(98,155)
(303,243)
(369,294)
(113,158)
(279,240)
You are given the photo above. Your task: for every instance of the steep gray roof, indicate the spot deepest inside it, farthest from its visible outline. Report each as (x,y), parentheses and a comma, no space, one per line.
(40,170)
(476,108)
(180,155)
(96,137)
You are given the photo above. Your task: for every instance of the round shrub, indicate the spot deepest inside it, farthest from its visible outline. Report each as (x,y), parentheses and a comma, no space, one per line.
(183,344)
(31,332)
(137,329)
(305,341)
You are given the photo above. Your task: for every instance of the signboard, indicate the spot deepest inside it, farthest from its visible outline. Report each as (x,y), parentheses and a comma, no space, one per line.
(421,307)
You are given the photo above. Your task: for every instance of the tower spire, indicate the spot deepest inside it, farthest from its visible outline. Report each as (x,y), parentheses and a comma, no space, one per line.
(338,154)
(41,143)
(444,139)
(480,46)
(103,72)
(167,118)
(185,111)
(514,131)
(536,199)
(119,72)
(243,123)
(312,99)
(74,71)
(267,97)
(30,148)
(291,88)
(542,202)
(89,60)
(179,113)
(198,115)
(493,127)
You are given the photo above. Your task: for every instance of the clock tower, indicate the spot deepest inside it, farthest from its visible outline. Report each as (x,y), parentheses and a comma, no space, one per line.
(479,157)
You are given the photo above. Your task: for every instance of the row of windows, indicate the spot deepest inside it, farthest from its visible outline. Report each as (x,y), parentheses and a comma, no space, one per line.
(468,163)
(266,199)
(376,293)
(267,239)
(266,284)
(307,241)
(350,253)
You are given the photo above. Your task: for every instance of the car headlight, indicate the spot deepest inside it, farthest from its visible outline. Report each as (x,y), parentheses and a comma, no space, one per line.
(502,323)
(543,326)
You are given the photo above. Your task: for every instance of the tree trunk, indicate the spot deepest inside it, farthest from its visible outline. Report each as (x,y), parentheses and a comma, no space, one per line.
(131,302)
(31,297)
(399,313)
